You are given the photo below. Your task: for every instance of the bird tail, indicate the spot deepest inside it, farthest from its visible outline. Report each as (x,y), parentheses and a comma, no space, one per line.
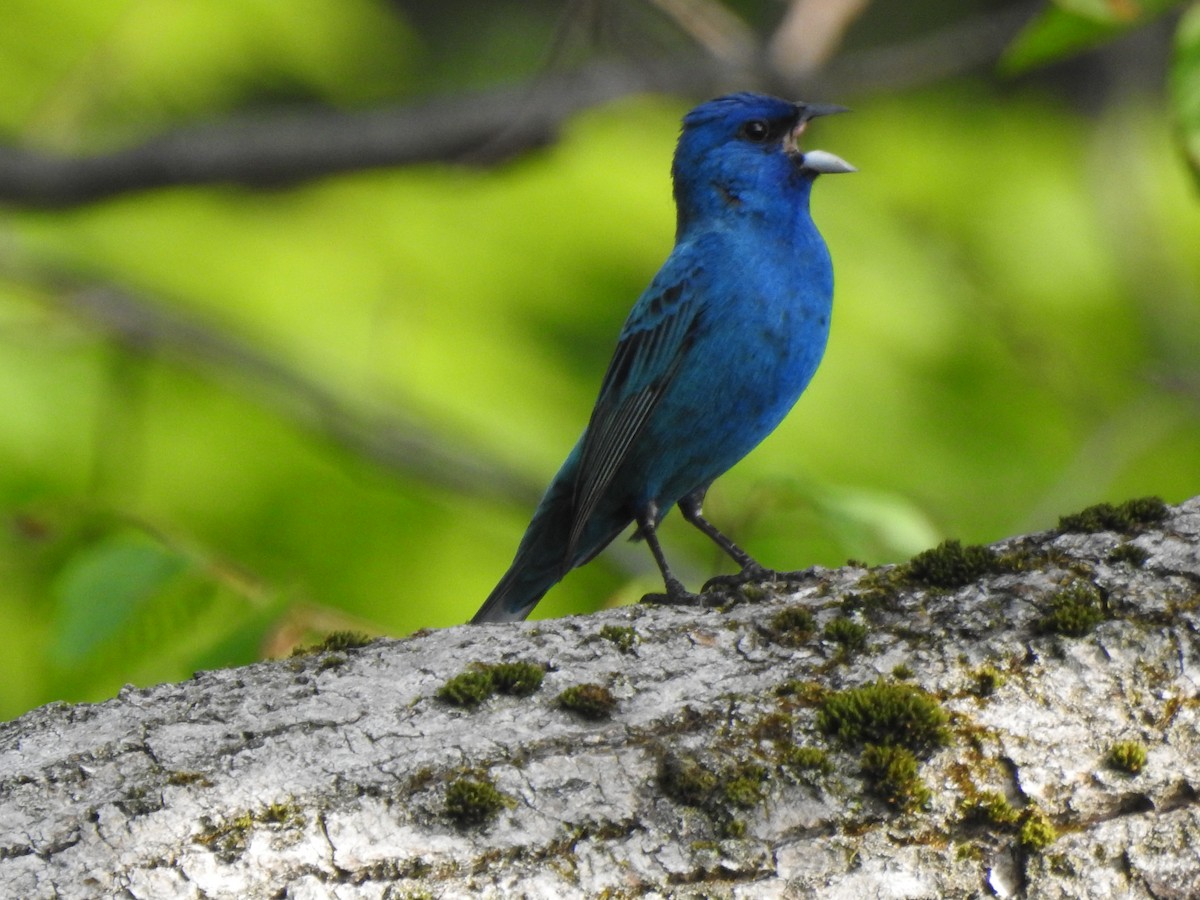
(517,593)
(541,560)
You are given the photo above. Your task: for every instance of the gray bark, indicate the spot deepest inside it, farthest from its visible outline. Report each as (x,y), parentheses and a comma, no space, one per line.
(329,775)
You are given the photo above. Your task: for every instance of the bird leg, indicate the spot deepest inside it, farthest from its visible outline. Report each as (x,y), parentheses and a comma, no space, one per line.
(752,569)
(676,593)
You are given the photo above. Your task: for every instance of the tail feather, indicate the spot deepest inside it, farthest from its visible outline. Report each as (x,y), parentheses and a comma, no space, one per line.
(546,552)
(516,595)
(541,559)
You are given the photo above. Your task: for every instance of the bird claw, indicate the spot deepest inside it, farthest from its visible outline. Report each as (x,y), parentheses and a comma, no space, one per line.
(755,574)
(679,598)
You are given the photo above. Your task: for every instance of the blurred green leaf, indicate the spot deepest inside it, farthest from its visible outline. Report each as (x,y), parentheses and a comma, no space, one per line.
(1185,86)
(95,73)
(103,588)
(1072,26)
(1113,11)
(129,607)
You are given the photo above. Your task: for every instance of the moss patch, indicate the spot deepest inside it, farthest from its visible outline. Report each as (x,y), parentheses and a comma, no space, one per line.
(470,688)
(849,635)
(335,642)
(621,636)
(806,693)
(719,791)
(989,808)
(1127,518)
(800,760)
(1036,831)
(1129,555)
(592,701)
(474,801)
(1074,611)
(885,715)
(791,626)
(517,679)
(950,565)
(892,774)
(187,779)
(1127,756)
(229,837)
(987,680)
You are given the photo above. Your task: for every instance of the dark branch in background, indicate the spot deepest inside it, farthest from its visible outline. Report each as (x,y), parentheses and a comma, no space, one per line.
(389,441)
(480,128)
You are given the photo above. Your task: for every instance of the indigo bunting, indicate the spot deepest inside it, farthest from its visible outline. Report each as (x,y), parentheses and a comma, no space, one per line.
(712,357)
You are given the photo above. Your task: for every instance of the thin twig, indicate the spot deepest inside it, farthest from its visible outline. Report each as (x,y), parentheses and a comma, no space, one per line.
(478,128)
(388,439)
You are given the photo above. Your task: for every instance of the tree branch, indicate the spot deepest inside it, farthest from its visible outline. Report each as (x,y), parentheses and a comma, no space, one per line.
(479,128)
(1027,728)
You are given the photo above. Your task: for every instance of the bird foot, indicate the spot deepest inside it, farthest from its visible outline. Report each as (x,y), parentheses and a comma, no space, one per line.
(756,574)
(680,597)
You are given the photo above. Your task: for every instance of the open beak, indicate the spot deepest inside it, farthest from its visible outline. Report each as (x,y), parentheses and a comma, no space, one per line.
(818,161)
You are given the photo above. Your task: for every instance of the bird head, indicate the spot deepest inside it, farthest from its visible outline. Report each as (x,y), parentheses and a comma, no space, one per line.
(743,151)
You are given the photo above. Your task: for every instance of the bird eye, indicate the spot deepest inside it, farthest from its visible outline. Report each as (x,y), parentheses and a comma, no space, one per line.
(756,130)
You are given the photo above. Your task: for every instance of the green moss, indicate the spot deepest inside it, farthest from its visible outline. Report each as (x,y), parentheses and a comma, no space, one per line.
(990,808)
(288,815)
(987,680)
(1036,832)
(476,684)
(335,642)
(331,661)
(969,853)
(950,565)
(1128,554)
(518,679)
(229,837)
(776,726)
(1127,518)
(184,779)
(886,715)
(592,701)
(848,634)
(474,801)
(1127,756)
(623,636)
(892,775)
(902,672)
(791,626)
(1074,611)
(686,781)
(469,688)
(743,786)
(809,693)
(718,792)
(801,760)
(734,829)
(752,593)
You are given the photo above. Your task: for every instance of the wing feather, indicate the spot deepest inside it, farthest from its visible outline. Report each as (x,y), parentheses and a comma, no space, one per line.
(648,355)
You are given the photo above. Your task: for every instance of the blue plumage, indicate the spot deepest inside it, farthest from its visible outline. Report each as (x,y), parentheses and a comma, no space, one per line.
(712,356)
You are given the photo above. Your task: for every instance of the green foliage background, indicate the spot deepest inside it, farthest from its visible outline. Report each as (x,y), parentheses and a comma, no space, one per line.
(1017,334)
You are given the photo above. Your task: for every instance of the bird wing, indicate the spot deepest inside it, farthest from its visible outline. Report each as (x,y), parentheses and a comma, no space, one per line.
(652,344)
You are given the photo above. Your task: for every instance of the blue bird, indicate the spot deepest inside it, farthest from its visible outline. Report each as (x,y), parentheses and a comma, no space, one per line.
(712,357)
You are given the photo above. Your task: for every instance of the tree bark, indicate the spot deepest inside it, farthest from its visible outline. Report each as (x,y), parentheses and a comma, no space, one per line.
(1016,723)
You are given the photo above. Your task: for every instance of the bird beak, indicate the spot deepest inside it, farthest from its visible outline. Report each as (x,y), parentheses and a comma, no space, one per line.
(818,161)
(813,110)
(825,163)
